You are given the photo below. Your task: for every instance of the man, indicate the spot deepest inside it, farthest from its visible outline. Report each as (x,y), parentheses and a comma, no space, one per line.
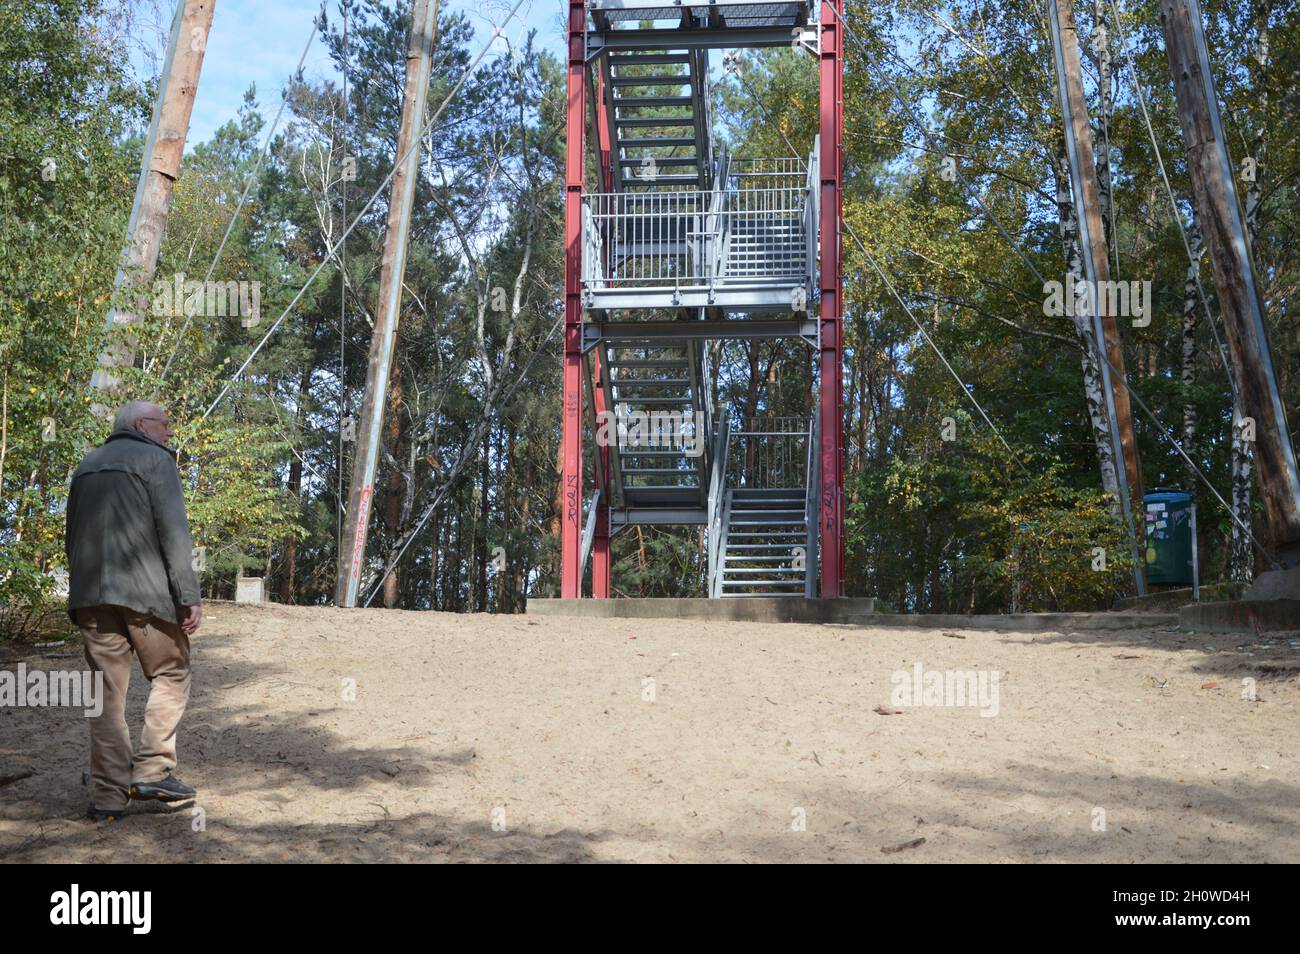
(132,588)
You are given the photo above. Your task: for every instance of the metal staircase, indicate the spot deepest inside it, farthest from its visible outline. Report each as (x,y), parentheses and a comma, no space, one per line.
(763,529)
(658,423)
(766,544)
(690,247)
(658,111)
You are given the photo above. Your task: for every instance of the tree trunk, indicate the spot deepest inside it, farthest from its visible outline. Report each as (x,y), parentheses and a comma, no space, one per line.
(509,488)
(519,563)
(1191,313)
(640,550)
(395,484)
(1093,393)
(1075,106)
(288,582)
(1240,295)
(1100,44)
(1242,563)
(436,534)
(485,476)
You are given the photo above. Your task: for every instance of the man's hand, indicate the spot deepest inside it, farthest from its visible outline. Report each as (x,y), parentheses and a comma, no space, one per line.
(193,616)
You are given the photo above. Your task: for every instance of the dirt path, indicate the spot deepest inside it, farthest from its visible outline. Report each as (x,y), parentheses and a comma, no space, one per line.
(544,728)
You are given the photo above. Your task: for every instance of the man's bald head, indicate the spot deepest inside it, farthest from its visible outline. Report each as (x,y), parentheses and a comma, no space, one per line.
(131,413)
(146,418)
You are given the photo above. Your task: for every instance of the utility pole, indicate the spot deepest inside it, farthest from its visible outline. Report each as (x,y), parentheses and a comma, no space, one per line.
(1096,266)
(419,50)
(163,148)
(1240,300)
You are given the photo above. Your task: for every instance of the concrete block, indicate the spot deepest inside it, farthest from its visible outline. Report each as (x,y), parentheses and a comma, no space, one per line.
(250,589)
(1241,616)
(1276,585)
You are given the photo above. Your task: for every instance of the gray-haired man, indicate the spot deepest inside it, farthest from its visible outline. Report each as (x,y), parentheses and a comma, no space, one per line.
(132,589)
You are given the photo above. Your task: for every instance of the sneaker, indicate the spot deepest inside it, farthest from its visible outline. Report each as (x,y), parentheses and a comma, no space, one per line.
(168,789)
(105,814)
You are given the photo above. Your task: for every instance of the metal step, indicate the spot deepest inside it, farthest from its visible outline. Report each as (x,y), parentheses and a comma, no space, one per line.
(798,583)
(649,383)
(648,364)
(741,596)
(641,121)
(657,143)
(665,161)
(626,102)
(647,59)
(682,179)
(650,454)
(682,79)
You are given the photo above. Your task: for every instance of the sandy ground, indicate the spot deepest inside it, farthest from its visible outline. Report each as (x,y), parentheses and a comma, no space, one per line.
(481,738)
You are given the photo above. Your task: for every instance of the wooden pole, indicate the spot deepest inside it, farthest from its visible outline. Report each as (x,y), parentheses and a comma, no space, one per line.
(163,148)
(419,49)
(1096,261)
(1228,244)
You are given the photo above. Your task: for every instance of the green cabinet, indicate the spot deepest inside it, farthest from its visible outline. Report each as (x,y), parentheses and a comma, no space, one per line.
(1170,527)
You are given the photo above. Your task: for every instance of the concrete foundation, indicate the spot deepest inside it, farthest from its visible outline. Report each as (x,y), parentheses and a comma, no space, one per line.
(1169,601)
(1241,616)
(855,611)
(1276,585)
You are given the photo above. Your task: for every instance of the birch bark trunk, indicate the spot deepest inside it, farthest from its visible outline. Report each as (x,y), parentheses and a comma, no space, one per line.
(1191,315)
(1093,394)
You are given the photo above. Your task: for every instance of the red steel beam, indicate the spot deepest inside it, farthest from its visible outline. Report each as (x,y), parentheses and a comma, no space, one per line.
(831,410)
(571,475)
(601,563)
(604,140)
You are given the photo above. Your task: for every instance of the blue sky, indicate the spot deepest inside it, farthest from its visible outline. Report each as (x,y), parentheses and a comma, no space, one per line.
(260,42)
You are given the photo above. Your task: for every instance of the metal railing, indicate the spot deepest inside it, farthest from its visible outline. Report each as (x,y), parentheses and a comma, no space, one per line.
(589,531)
(717,532)
(786,172)
(767,453)
(811,510)
(766,234)
(756,227)
(652,238)
(770,452)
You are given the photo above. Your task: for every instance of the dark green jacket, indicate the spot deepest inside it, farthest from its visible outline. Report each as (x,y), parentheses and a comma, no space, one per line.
(128,542)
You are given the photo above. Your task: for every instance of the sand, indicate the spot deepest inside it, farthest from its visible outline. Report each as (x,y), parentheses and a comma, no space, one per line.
(511,738)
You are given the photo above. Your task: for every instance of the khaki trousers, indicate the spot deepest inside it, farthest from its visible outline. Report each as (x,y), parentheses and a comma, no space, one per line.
(111,634)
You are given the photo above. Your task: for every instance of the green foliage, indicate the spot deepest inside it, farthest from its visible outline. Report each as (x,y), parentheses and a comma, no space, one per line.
(962,527)
(65,186)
